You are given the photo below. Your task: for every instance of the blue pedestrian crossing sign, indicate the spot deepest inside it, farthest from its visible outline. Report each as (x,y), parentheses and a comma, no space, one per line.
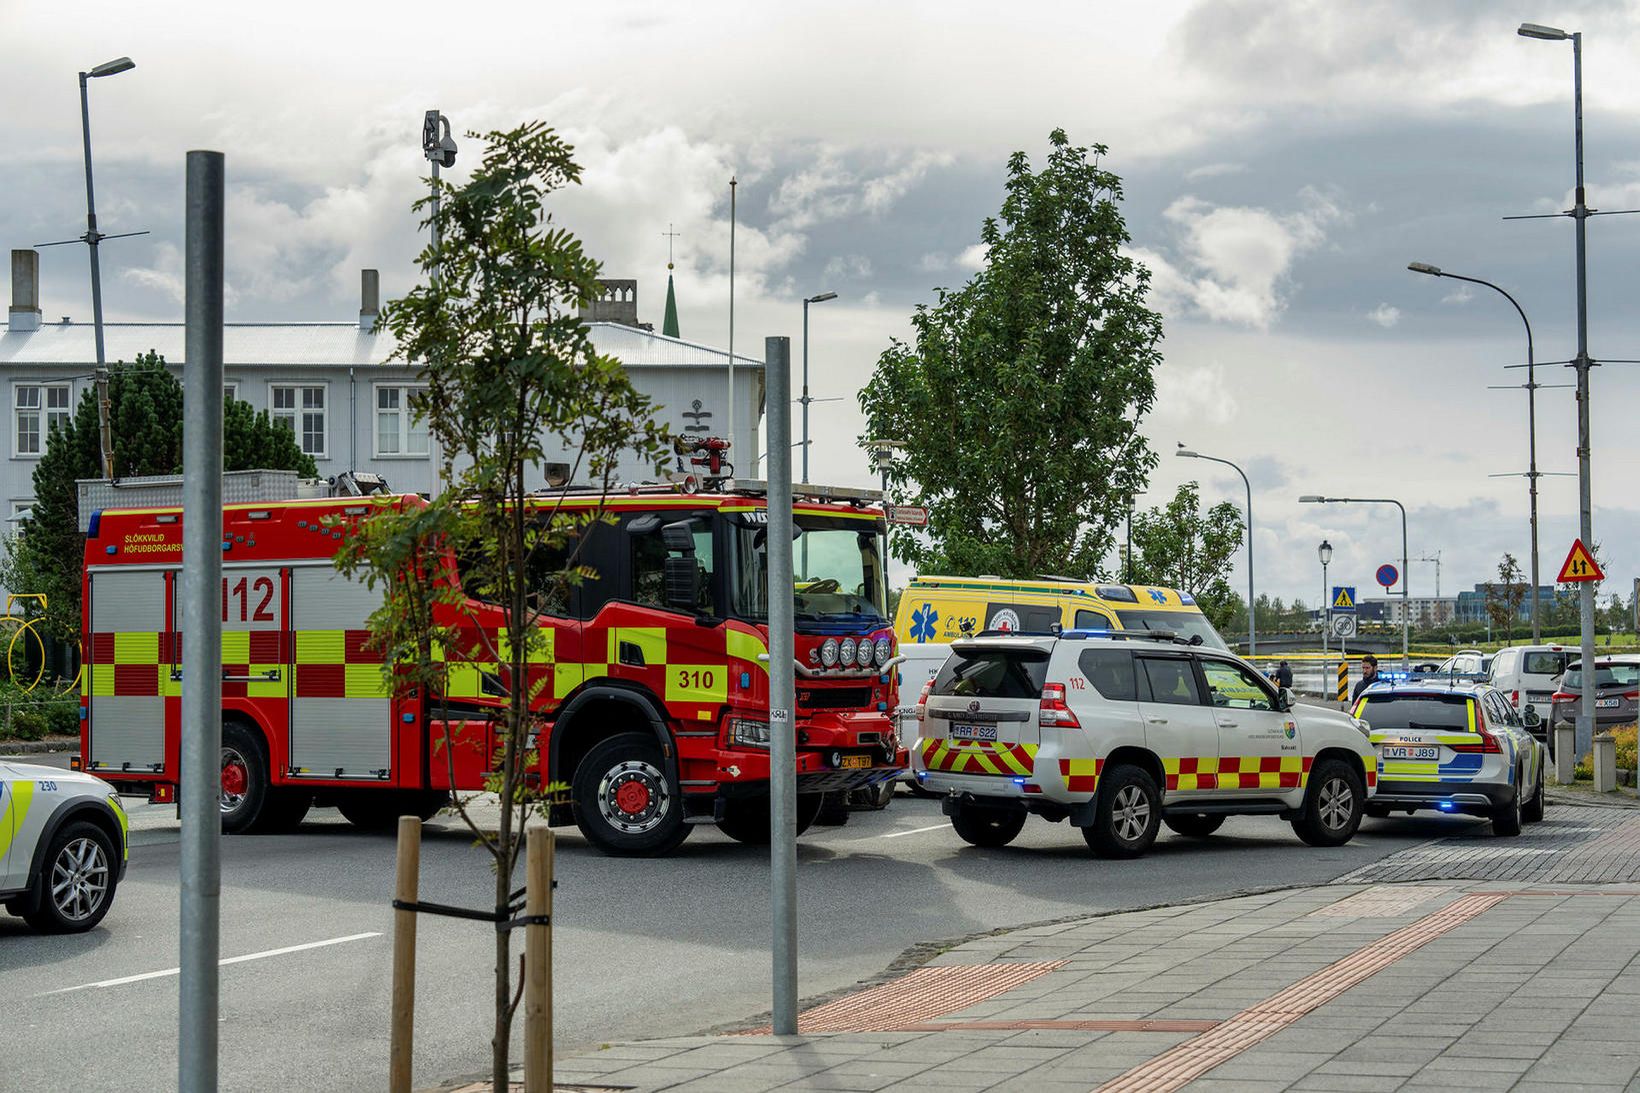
(1343,597)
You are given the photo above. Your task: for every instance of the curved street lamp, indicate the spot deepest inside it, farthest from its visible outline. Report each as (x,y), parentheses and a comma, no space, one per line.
(1406,603)
(1252,629)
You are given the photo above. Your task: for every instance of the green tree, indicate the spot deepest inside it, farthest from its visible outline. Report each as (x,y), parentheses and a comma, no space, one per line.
(1018,403)
(1180,546)
(145,424)
(509,365)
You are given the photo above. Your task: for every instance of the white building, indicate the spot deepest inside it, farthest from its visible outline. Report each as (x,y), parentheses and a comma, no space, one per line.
(336,384)
(1424,610)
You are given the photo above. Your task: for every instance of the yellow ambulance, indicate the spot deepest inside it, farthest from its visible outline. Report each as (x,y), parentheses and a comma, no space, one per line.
(939,610)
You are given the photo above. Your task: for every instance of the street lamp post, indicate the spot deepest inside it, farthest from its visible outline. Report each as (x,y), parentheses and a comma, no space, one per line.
(1252,629)
(1580,217)
(1406,602)
(92,238)
(1324,552)
(819,298)
(1531,424)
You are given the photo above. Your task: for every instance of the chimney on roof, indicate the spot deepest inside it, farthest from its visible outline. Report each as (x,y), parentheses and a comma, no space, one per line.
(370,294)
(25,291)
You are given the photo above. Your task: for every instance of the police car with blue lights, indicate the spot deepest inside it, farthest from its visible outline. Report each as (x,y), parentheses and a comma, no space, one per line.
(1453,744)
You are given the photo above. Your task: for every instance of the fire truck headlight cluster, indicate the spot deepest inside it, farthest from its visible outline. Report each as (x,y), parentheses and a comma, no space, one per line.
(749,734)
(845,652)
(884,648)
(828,653)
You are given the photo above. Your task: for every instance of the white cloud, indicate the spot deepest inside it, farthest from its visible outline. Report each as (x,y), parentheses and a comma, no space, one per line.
(830,189)
(1385,315)
(1194,394)
(1214,170)
(851,266)
(973,258)
(1233,263)
(1460,295)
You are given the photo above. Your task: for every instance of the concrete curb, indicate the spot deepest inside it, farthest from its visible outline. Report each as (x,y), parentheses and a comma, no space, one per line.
(1590,799)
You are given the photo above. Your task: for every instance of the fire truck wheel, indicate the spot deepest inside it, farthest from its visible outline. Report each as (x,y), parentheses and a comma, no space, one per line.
(244,792)
(624,803)
(746,819)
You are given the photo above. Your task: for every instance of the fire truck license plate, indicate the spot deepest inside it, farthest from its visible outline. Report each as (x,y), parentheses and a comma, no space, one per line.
(973,732)
(1411,753)
(856,762)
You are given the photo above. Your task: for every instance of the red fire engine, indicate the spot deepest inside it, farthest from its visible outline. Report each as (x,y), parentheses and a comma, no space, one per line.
(653,680)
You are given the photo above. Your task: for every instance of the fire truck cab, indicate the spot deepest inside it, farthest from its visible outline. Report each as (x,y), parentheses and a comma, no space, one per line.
(652,685)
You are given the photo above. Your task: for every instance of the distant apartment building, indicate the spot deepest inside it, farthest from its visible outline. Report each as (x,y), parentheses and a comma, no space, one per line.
(1472,605)
(1419,610)
(337,385)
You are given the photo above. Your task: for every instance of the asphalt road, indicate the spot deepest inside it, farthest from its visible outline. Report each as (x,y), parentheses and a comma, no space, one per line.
(642,947)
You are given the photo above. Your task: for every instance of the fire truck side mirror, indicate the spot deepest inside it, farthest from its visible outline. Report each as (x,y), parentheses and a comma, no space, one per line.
(682,576)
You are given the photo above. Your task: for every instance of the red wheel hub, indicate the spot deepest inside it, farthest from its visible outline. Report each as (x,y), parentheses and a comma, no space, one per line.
(234,778)
(632,797)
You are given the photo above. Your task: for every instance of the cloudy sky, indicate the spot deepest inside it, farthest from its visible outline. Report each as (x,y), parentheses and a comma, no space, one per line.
(1283,161)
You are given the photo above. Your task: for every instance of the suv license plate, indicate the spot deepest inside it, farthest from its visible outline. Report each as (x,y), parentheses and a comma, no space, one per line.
(1392,752)
(856,762)
(1607,703)
(973,732)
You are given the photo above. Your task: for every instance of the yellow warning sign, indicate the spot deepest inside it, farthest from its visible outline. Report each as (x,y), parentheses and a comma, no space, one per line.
(1343,598)
(1580,566)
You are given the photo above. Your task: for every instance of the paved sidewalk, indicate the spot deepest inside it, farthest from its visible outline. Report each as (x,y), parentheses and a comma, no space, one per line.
(1520,976)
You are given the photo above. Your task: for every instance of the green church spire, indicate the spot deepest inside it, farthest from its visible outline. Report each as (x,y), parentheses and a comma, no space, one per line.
(669,325)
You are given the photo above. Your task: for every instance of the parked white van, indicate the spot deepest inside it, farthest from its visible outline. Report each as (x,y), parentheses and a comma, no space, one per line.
(1526,675)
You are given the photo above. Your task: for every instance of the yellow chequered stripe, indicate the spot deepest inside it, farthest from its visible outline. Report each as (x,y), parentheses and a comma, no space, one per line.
(979,757)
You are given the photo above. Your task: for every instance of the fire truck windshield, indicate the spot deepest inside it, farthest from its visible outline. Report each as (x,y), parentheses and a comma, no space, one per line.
(837,570)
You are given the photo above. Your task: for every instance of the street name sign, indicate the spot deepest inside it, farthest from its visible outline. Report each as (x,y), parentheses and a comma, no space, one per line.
(913,515)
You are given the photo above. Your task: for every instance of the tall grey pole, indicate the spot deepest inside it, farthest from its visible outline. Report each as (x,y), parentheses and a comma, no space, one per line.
(1585,594)
(1406,602)
(733,437)
(1326,625)
(93,237)
(777,364)
(1532,474)
(202,625)
(434,225)
(805,399)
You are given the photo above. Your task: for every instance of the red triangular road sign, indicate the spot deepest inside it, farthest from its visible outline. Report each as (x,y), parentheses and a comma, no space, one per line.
(1580,566)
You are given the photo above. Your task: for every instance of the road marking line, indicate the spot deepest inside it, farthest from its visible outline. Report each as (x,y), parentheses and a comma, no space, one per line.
(124,979)
(914,831)
(1183,1064)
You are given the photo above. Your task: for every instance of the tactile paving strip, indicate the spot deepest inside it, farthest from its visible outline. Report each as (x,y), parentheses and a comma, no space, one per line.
(919,996)
(1199,1054)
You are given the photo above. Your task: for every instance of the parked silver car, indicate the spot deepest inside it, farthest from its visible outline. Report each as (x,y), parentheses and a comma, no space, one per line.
(1616,697)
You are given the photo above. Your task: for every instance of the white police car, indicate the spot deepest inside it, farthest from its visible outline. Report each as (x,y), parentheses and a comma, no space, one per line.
(1120,732)
(1453,745)
(62,846)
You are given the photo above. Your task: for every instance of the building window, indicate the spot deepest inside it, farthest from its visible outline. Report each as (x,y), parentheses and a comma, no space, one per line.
(40,407)
(302,411)
(398,433)
(230,391)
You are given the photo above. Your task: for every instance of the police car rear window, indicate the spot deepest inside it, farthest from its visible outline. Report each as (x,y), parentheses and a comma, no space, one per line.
(1417,712)
(994,673)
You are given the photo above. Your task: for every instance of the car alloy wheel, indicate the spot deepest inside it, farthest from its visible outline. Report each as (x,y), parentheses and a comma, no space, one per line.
(79,880)
(1130,813)
(1335,803)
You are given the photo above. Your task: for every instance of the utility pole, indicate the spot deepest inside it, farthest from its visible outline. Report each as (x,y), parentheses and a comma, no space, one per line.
(440,149)
(733,437)
(777,369)
(201,942)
